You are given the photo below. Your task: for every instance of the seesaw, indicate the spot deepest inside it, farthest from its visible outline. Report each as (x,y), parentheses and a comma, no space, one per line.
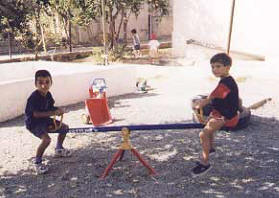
(126,129)
(126,143)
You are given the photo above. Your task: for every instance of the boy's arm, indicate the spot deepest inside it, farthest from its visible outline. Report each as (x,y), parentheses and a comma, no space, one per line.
(40,114)
(204,102)
(221,91)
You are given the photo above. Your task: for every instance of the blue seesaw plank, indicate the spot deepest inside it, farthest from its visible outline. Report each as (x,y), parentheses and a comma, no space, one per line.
(136,127)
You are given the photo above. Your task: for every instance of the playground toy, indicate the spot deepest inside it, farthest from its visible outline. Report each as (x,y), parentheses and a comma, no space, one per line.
(97,88)
(126,145)
(97,109)
(200,115)
(141,85)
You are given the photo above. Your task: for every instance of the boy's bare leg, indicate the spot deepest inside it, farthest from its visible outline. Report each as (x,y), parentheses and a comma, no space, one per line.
(44,144)
(138,53)
(60,139)
(206,137)
(211,141)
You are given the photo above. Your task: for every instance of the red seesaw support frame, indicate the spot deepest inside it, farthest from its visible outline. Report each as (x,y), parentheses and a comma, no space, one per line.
(126,145)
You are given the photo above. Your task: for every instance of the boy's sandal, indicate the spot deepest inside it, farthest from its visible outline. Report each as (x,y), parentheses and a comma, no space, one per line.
(41,169)
(62,153)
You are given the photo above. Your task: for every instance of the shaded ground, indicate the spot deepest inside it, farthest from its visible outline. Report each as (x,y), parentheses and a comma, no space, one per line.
(245,165)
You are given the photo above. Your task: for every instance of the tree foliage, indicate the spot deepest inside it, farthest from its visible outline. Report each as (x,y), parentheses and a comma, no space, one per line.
(92,10)
(17,15)
(13,16)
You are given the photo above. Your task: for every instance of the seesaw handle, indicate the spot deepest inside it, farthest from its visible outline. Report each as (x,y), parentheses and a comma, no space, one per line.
(56,126)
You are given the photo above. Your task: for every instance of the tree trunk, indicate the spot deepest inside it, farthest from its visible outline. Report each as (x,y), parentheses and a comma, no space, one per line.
(112,30)
(43,37)
(37,37)
(70,35)
(120,24)
(10,45)
(125,25)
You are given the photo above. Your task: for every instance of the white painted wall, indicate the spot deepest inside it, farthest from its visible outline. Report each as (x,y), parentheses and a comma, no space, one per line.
(70,83)
(254,28)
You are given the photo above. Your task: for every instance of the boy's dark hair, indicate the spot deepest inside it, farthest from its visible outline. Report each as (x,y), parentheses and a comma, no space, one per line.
(223,58)
(42,73)
(134,31)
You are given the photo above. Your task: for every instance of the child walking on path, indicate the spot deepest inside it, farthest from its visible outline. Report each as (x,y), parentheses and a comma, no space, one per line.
(39,108)
(153,48)
(136,43)
(225,102)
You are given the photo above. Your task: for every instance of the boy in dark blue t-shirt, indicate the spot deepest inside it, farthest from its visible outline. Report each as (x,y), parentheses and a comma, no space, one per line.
(39,108)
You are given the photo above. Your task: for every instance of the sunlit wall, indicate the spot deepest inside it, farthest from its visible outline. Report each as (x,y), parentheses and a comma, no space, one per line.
(254,27)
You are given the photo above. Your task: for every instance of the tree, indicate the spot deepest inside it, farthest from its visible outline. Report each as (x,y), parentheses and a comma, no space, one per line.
(13,19)
(66,9)
(91,10)
(37,9)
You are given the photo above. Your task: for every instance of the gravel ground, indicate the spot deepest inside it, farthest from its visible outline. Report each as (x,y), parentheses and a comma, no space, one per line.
(245,165)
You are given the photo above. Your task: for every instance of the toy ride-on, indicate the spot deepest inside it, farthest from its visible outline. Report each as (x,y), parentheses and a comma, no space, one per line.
(96,106)
(200,116)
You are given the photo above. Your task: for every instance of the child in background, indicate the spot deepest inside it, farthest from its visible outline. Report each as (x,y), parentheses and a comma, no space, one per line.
(153,48)
(136,43)
(39,108)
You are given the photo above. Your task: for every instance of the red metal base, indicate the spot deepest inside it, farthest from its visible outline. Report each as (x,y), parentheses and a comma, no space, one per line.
(119,154)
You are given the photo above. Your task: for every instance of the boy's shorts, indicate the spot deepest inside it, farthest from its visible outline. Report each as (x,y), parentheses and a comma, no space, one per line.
(228,123)
(43,127)
(137,47)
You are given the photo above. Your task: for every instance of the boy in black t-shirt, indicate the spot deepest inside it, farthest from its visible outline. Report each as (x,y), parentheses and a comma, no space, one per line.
(39,108)
(225,103)
(136,43)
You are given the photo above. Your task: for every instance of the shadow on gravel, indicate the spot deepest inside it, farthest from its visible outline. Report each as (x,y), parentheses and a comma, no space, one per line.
(17,122)
(245,165)
(114,102)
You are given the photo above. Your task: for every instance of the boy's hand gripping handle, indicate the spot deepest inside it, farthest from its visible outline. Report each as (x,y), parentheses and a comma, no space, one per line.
(200,116)
(55,126)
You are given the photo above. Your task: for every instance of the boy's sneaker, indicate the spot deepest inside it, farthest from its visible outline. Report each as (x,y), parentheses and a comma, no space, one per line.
(62,153)
(200,169)
(212,151)
(41,169)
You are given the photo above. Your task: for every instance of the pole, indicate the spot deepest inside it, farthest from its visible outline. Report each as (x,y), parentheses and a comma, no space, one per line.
(70,36)
(70,29)
(231,26)
(10,44)
(104,33)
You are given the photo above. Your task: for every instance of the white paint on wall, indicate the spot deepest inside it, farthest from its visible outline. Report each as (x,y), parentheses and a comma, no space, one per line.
(254,26)
(70,83)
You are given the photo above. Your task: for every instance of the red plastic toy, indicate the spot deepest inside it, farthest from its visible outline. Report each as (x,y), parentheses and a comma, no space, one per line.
(97,104)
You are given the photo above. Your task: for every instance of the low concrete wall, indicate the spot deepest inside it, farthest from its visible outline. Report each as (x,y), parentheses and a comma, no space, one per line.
(60,56)
(68,87)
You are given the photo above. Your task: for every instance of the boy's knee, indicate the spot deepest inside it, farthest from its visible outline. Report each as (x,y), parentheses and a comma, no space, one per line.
(65,126)
(46,140)
(204,133)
